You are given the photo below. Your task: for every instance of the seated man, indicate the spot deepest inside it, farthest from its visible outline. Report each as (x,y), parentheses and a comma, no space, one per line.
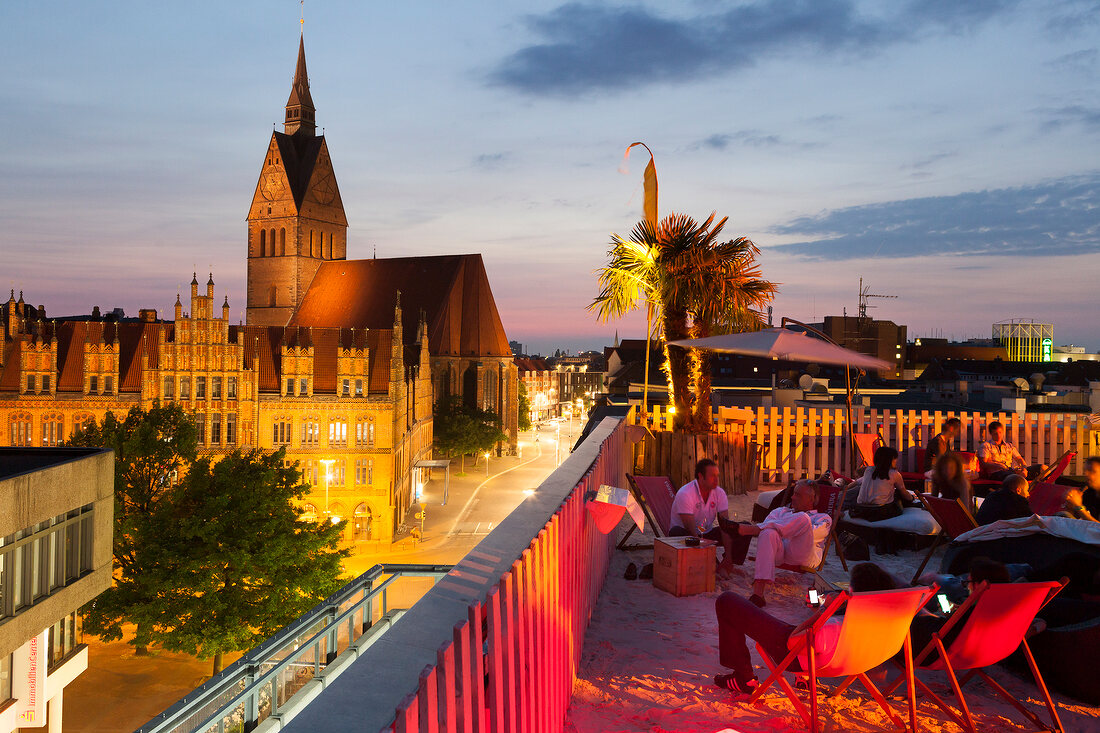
(738,619)
(793,535)
(697,507)
(1007,502)
(999,458)
(942,443)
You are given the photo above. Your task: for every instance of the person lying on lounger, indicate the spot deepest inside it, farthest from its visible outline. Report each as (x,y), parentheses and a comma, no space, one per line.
(793,535)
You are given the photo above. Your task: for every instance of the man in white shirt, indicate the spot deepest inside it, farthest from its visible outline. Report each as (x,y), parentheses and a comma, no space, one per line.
(999,458)
(793,535)
(696,510)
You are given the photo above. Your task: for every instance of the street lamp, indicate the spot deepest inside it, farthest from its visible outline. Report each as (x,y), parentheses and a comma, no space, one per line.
(327,463)
(486,465)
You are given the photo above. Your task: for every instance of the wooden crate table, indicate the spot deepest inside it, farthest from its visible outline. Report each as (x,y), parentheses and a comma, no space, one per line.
(682,570)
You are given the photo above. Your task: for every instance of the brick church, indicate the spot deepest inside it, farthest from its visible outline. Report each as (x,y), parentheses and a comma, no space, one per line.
(339,361)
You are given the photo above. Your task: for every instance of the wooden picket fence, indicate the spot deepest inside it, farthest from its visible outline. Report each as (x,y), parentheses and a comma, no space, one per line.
(514,655)
(800,442)
(672,454)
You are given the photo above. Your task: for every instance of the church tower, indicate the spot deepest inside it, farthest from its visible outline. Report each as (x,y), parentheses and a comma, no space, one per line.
(297,219)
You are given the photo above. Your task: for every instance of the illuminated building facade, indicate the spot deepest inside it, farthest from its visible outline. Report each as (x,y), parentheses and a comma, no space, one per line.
(1026,340)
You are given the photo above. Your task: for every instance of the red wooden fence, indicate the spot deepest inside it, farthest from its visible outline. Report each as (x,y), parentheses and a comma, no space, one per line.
(511,664)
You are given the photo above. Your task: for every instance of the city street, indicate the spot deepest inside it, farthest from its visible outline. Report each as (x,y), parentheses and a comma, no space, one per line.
(120,691)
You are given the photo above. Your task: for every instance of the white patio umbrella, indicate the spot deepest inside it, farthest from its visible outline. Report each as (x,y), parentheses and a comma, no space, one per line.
(781,343)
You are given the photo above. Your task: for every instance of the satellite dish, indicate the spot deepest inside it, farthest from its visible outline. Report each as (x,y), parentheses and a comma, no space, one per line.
(806,382)
(1020,383)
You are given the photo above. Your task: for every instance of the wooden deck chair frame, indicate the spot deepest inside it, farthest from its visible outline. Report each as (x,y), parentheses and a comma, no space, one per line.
(965,720)
(944,535)
(831,538)
(1056,469)
(639,496)
(806,631)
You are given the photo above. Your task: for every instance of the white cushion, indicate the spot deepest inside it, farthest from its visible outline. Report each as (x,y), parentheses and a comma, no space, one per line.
(912,520)
(764,498)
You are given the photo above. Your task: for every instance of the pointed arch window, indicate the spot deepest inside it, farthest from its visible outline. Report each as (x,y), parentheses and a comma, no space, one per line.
(282,242)
(272,241)
(263,243)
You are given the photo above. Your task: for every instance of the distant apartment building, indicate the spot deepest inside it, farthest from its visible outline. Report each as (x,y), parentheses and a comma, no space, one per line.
(516,347)
(883,339)
(1026,340)
(56,524)
(541,383)
(580,377)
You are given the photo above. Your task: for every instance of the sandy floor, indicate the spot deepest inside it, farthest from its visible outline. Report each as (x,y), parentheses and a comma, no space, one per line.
(649,658)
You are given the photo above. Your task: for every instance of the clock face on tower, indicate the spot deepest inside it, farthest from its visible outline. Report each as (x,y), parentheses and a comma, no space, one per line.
(272,186)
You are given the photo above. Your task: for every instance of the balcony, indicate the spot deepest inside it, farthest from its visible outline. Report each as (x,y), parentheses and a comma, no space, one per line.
(537,630)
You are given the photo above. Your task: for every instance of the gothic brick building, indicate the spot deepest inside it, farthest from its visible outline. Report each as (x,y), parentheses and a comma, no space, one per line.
(329,366)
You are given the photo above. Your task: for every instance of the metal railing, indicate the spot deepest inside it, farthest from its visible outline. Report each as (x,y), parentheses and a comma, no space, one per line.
(276,679)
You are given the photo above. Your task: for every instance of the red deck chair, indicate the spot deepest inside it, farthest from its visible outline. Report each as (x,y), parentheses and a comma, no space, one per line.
(830,500)
(1047,499)
(655,494)
(875,627)
(995,620)
(917,476)
(954,518)
(866,443)
(1059,467)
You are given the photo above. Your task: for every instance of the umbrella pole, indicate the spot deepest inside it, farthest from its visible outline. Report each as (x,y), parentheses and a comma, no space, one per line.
(848,422)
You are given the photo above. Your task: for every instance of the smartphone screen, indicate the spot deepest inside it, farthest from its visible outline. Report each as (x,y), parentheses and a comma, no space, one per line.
(945,605)
(812,597)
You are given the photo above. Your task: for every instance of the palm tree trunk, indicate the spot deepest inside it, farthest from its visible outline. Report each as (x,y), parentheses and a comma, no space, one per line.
(678,367)
(702,421)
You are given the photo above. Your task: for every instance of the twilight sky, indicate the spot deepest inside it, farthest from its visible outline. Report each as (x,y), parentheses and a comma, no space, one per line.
(945,151)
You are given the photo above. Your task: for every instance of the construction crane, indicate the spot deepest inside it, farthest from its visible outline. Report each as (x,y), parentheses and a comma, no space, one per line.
(864,295)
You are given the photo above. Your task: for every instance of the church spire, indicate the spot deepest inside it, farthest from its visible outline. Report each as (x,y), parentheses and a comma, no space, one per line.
(300,112)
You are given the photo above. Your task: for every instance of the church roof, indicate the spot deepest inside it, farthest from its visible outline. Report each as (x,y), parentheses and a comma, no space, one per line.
(452,290)
(299,155)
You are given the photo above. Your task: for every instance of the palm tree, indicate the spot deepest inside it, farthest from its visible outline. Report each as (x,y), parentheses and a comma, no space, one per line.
(692,286)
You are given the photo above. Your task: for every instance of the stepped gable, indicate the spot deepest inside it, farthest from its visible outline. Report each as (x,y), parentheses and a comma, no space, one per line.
(452,290)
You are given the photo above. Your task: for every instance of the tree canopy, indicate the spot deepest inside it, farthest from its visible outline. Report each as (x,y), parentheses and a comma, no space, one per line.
(524,408)
(151,448)
(461,430)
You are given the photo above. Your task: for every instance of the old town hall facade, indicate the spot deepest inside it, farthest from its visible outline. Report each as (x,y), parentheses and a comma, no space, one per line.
(339,361)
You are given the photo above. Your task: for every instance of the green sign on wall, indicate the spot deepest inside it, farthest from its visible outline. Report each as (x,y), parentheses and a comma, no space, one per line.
(1048,349)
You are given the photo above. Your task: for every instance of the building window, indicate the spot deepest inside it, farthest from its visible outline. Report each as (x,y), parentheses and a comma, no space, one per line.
(364,433)
(310,432)
(215,388)
(20,429)
(346,391)
(200,423)
(200,388)
(231,429)
(46,383)
(51,430)
(290,387)
(185,388)
(30,384)
(108,385)
(263,243)
(303,387)
(282,242)
(64,637)
(215,429)
(5,679)
(280,432)
(231,388)
(35,561)
(82,422)
(169,388)
(364,472)
(93,384)
(358,387)
(338,433)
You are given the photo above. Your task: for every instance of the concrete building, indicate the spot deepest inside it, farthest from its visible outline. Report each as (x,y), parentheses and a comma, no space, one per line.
(56,524)
(883,339)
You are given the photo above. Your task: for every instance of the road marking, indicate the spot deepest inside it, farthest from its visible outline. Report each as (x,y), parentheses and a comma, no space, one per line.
(466,507)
